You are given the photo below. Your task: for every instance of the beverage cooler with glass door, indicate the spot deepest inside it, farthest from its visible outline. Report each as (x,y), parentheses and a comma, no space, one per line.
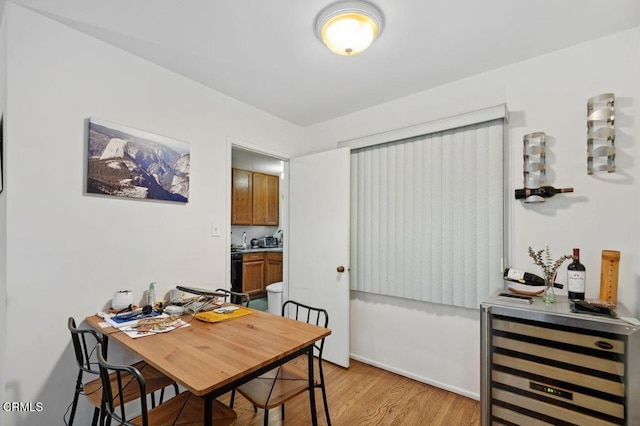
(543,364)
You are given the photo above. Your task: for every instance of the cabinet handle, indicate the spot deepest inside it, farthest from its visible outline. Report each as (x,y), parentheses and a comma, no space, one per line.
(340,269)
(604,345)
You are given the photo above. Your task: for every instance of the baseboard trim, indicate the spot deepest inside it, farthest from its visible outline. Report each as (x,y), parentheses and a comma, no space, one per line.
(426,380)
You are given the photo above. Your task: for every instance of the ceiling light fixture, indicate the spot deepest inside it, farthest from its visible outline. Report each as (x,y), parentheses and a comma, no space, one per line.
(349,27)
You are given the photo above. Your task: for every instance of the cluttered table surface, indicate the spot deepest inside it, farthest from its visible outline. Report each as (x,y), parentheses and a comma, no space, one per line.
(210,359)
(206,356)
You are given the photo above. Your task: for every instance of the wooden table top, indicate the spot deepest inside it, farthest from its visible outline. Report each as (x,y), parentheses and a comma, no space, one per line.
(207,356)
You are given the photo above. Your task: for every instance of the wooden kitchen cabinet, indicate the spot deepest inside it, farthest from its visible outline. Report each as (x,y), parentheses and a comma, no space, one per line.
(266,195)
(241,197)
(273,271)
(260,269)
(255,198)
(253,273)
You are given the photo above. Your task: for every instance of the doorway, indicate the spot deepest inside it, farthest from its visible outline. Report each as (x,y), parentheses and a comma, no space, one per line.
(314,220)
(258,222)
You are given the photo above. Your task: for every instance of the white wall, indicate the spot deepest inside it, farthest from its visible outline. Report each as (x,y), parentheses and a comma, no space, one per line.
(68,252)
(440,344)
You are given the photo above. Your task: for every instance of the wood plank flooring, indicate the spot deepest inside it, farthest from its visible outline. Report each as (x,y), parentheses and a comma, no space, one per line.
(366,395)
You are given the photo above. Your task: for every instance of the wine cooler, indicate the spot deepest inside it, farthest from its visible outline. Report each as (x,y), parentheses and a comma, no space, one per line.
(544,365)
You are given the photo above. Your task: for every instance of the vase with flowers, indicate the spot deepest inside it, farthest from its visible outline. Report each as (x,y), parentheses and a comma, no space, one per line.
(543,259)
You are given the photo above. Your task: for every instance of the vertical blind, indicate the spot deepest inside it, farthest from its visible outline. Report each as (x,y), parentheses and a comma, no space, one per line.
(427,216)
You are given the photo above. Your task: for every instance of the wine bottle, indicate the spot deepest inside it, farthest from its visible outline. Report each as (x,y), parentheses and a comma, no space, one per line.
(543,191)
(576,277)
(526,278)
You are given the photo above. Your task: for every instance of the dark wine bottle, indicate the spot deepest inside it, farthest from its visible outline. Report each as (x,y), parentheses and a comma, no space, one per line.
(543,191)
(526,278)
(576,277)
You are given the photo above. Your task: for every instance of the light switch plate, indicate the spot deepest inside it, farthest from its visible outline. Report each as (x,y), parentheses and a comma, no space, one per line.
(215,230)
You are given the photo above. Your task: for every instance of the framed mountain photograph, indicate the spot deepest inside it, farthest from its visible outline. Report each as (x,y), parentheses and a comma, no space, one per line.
(131,163)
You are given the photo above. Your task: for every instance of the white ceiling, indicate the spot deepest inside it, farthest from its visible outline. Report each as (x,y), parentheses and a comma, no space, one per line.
(265,53)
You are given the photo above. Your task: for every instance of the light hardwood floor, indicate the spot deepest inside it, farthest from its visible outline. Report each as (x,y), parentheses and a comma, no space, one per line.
(366,395)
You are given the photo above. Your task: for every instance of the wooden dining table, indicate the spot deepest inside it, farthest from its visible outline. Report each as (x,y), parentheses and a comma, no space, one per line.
(210,359)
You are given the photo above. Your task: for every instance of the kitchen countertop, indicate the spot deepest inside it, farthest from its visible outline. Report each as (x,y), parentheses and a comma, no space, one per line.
(257,250)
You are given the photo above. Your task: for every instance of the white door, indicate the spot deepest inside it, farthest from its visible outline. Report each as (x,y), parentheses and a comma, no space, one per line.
(319,207)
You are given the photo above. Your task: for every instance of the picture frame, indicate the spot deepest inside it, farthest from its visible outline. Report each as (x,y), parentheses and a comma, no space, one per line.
(131,163)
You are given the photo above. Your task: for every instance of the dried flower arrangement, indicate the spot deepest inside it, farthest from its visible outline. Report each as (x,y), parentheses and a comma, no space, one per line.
(549,267)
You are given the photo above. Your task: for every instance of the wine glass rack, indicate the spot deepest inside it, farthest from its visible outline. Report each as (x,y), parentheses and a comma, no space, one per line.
(601,134)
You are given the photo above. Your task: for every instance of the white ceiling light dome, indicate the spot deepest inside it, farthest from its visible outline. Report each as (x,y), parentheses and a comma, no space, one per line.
(349,27)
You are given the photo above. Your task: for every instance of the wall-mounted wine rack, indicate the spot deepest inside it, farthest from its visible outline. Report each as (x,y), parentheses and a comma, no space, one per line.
(534,170)
(601,134)
(534,167)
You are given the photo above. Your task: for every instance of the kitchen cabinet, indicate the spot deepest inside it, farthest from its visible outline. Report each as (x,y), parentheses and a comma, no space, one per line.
(265,199)
(260,269)
(253,273)
(273,270)
(241,197)
(255,198)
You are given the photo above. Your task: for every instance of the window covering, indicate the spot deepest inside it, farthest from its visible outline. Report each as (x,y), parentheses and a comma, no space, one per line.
(440,125)
(427,213)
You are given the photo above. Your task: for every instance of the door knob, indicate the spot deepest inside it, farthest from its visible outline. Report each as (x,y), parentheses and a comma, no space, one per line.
(341,269)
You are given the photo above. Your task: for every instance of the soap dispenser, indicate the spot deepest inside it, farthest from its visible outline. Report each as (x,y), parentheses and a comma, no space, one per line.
(151,294)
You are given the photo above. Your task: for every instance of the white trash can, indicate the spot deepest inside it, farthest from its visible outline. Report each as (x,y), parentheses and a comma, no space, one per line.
(274,298)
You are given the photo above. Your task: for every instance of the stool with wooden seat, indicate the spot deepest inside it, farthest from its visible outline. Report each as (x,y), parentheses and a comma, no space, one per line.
(183,409)
(281,384)
(84,349)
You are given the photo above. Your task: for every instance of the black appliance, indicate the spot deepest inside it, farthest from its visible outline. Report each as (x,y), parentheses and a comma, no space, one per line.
(236,274)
